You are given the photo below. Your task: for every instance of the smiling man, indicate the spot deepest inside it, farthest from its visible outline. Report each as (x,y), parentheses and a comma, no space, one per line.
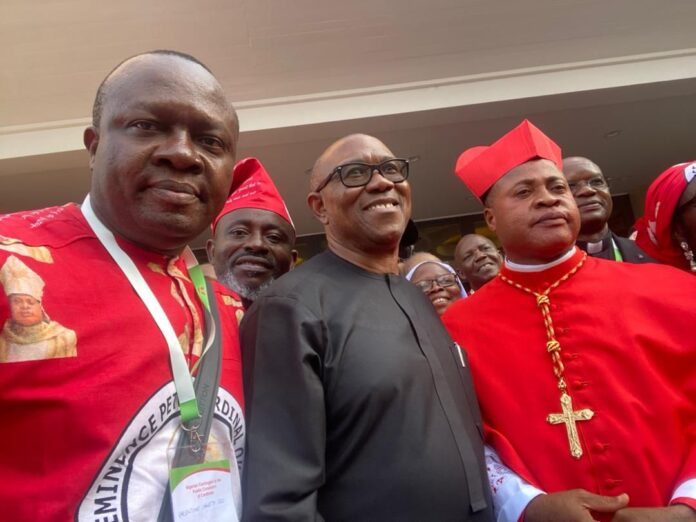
(95,416)
(591,192)
(360,406)
(476,260)
(584,373)
(253,236)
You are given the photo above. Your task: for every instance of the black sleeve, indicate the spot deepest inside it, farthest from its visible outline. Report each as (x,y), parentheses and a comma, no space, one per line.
(282,342)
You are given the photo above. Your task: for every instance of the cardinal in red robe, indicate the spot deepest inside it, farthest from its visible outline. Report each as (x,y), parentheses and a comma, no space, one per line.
(585,369)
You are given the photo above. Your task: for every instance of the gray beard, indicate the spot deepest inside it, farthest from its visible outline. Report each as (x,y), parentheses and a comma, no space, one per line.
(247,292)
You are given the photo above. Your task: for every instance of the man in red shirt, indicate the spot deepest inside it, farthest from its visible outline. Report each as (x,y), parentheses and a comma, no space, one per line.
(585,375)
(93,392)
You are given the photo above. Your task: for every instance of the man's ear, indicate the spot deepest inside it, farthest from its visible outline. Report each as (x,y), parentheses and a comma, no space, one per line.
(210,250)
(489,216)
(91,139)
(293,257)
(316,205)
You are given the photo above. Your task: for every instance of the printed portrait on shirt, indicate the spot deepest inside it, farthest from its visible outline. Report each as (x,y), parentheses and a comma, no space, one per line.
(28,333)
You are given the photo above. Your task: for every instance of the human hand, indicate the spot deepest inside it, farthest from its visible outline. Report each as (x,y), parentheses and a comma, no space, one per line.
(573,505)
(676,513)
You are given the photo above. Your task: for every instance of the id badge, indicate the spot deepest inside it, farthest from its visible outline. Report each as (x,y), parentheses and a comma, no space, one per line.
(203,491)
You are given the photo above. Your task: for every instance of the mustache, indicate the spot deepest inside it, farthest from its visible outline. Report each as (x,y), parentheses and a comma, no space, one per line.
(267,258)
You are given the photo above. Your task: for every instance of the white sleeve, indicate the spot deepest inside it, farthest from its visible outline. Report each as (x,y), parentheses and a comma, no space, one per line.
(511,493)
(686,489)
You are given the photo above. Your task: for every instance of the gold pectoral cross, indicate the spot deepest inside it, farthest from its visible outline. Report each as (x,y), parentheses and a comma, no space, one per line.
(568,417)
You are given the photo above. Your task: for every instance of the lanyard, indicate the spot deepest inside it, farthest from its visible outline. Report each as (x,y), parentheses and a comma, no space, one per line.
(182,378)
(617,253)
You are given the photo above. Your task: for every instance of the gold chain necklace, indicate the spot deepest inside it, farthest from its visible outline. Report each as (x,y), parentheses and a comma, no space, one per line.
(553,347)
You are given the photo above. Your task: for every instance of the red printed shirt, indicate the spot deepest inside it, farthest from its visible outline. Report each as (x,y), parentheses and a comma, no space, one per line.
(86,388)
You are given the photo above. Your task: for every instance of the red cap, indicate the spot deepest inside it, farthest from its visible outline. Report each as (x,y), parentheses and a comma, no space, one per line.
(252,187)
(654,229)
(481,167)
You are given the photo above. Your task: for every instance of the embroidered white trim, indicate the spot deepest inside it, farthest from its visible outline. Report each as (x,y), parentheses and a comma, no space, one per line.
(511,493)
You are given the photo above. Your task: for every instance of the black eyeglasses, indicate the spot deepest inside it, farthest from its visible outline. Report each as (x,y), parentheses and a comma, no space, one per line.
(360,174)
(597,183)
(443,281)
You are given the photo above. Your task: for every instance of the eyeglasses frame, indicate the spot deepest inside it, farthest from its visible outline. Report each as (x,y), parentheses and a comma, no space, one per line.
(373,167)
(435,281)
(579,184)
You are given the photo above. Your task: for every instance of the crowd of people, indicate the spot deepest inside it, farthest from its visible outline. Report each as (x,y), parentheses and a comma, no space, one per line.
(553,379)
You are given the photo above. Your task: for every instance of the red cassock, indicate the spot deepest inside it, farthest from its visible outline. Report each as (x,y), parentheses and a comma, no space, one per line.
(86,393)
(629,354)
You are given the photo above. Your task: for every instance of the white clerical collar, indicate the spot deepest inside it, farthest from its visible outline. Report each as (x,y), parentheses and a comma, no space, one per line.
(595,248)
(517,267)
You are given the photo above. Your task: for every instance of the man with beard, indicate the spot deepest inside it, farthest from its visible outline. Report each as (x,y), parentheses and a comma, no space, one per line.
(89,429)
(584,373)
(360,406)
(593,197)
(476,260)
(253,236)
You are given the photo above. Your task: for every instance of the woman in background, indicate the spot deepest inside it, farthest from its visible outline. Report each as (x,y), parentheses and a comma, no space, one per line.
(667,230)
(439,282)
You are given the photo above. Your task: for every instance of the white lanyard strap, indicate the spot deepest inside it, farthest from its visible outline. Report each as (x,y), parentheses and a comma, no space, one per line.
(182,378)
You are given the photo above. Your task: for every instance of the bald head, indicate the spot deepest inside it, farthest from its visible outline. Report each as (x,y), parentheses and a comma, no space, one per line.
(341,151)
(104,88)
(575,163)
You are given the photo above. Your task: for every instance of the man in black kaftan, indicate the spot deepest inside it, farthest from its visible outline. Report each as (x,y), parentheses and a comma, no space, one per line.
(359,405)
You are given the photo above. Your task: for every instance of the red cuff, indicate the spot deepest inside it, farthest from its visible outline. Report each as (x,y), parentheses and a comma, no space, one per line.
(691,502)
